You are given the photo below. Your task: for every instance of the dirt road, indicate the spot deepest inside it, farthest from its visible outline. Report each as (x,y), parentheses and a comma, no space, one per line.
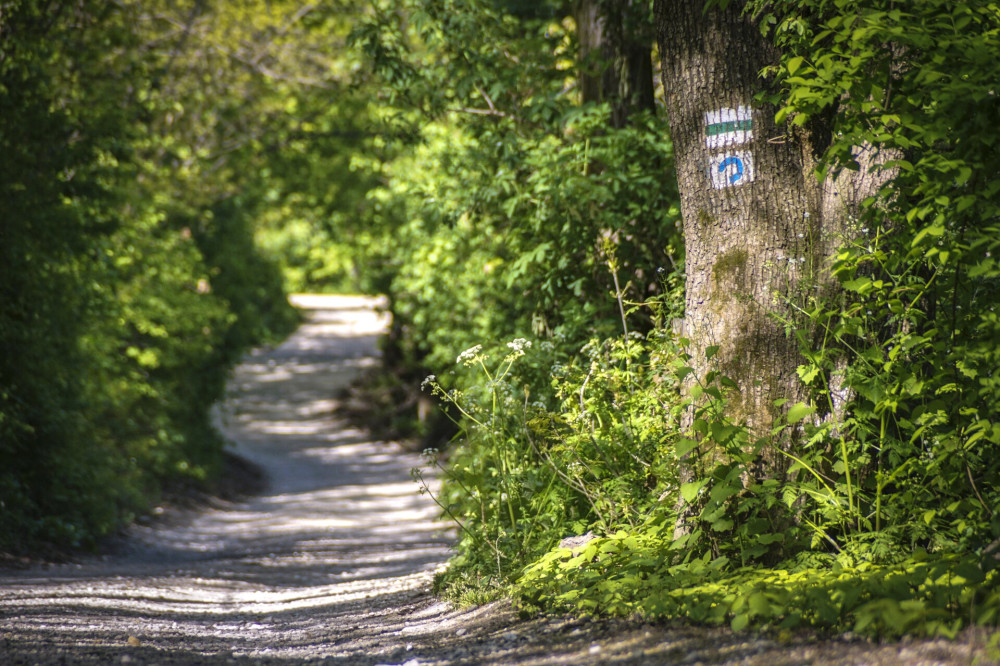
(333,562)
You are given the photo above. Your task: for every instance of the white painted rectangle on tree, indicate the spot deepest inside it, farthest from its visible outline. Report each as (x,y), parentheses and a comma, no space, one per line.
(731,169)
(728,127)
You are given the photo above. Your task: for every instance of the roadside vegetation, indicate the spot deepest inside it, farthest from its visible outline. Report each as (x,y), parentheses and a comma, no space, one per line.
(131,281)
(470,160)
(538,277)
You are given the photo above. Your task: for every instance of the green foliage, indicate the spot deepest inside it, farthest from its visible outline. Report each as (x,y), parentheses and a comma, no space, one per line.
(710,562)
(59,154)
(127,293)
(522,211)
(515,218)
(626,573)
(440,154)
(535,275)
(523,474)
(913,342)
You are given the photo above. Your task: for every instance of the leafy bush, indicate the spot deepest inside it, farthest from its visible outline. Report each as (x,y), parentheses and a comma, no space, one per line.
(122,310)
(627,574)
(882,518)
(524,472)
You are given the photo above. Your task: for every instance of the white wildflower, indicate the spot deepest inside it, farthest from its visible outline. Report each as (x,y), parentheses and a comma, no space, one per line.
(429,379)
(519,344)
(469,355)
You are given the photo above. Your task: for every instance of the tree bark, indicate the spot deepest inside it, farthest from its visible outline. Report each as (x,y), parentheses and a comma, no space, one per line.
(760,228)
(616,62)
(590,36)
(751,233)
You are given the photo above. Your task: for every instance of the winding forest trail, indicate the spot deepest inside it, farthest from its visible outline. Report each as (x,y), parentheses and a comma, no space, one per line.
(333,562)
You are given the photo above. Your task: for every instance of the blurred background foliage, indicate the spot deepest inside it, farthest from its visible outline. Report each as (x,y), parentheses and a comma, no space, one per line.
(135,140)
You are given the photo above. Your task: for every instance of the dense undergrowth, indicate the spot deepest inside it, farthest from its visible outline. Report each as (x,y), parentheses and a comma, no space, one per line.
(537,271)
(130,284)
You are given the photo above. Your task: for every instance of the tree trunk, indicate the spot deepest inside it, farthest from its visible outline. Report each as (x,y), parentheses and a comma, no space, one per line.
(750,232)
(590,36)
(615,56)
(760,228)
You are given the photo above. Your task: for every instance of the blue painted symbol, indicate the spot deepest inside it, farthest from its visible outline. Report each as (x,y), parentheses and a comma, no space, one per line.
(732,161)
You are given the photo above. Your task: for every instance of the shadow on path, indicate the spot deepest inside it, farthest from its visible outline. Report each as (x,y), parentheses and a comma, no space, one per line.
(340,536)
(333,562)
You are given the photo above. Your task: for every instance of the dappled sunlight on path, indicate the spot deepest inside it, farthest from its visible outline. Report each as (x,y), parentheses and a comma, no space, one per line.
(340,529)
(333,562)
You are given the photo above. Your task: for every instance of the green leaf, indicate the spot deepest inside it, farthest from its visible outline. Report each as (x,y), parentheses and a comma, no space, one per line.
(689,491)
(861,285)
(684,446)
(722,525)
(799,411)
(728,383)
(930,230)
(740,622)
(759,604)
(968,572)
(807,373)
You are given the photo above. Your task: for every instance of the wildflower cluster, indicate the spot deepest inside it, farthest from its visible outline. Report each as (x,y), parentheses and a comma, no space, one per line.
(470,355)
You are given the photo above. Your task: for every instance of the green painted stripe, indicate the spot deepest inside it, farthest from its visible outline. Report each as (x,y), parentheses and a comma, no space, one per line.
(731,126)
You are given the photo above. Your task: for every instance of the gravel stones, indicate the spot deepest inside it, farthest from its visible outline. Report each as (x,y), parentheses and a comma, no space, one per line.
(332,562)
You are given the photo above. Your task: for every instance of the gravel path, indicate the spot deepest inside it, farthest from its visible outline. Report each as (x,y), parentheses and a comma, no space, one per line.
(333,562)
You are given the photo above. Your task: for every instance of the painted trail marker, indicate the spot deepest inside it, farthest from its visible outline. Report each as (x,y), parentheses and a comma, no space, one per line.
(726,128)
(731,169)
